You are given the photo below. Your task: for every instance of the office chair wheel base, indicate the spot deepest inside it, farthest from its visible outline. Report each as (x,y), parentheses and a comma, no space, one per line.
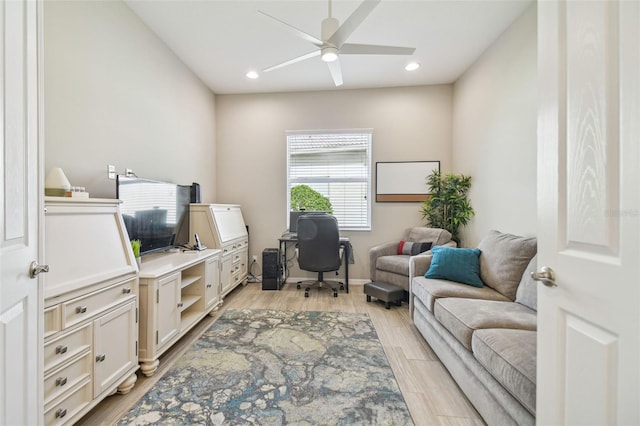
(341,287)
(306,294)
(335,294)
(298,287)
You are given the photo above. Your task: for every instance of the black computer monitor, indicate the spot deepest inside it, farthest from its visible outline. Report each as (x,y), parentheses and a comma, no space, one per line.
(293,219)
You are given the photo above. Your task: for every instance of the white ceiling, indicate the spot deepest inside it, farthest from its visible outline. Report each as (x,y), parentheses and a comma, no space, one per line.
(220,40)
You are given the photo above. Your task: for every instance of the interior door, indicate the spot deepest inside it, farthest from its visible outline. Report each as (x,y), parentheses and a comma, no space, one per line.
(21,379)
(589,212)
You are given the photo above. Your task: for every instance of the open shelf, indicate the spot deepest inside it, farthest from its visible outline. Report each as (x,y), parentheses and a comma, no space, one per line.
(187,280)
(188,318)
(187,301)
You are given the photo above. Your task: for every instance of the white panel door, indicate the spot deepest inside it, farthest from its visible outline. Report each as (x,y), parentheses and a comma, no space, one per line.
(21,379)
(589,212)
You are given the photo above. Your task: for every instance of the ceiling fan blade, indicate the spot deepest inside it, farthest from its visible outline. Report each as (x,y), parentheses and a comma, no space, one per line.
(336,72)
(352,22)
(294,60)
(374,49)
(295,31)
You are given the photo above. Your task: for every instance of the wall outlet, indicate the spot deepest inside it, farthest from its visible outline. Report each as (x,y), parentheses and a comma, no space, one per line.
(255,258)
(111,171)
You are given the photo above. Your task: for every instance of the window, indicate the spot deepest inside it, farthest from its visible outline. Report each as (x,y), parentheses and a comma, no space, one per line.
(336,164)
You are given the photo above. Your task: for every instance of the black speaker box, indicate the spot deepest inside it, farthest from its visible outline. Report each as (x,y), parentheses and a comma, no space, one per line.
(195,193)
(271,273)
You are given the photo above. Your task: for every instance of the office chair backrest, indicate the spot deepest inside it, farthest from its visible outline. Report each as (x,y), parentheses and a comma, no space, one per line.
(318,243)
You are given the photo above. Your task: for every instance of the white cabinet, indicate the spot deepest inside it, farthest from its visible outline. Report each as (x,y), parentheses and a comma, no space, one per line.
(212,297)
(176,291)
(222,226)
(90,316)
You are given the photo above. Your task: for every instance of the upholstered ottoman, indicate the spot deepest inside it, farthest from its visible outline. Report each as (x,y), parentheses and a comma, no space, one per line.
(385,292)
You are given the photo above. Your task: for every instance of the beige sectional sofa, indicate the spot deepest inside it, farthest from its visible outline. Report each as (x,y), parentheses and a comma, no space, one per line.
(485,336)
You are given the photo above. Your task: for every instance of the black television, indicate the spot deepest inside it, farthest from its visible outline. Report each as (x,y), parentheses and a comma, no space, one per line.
(154,212)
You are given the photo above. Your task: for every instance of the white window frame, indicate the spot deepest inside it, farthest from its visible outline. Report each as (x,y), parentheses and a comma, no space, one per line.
(367,225)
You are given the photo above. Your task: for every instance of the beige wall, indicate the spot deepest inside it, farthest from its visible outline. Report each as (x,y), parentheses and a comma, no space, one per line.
(115,94)
(412,123)
(494,132)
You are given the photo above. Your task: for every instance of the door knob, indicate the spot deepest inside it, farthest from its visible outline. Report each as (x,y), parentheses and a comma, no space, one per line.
(546,276)
(35,268)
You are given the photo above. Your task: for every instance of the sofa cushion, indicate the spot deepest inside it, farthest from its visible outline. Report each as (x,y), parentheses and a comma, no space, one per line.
(527,293)
(398,264)
(429,290)
(461,317)
(504,258)
(455,264)
(413,248)
(510,357)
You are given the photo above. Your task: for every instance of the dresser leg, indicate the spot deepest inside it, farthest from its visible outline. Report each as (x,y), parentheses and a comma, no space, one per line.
(127,385)
(149,367)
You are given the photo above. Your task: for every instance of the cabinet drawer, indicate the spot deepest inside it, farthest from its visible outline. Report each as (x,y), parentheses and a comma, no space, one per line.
(67,346)
(52,320)
(81,308)
(228,248)
(67,377)
(59,412)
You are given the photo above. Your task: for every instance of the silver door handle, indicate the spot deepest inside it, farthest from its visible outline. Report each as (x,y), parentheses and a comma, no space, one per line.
(35,269)
(546,276)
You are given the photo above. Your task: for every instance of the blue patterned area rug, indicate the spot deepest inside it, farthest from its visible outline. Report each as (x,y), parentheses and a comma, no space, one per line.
(267,367)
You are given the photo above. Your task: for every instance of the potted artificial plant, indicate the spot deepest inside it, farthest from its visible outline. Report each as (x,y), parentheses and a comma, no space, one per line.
(448,206)
(135,246)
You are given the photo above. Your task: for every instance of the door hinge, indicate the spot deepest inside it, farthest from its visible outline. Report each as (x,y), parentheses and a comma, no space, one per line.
(156,337)
(157,295)
(136,348)
(136,315)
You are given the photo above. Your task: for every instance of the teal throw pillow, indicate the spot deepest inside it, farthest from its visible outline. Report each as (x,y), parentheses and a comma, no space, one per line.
(455,264)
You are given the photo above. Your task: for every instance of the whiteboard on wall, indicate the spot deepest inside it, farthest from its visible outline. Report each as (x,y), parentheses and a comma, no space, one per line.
(403,181)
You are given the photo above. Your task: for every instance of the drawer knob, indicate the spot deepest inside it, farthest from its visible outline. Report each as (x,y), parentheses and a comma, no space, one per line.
(126,290)
(61,412)
(209,286)
(180,304)
(61,349)
(100,358)
(81,309)
(61,381)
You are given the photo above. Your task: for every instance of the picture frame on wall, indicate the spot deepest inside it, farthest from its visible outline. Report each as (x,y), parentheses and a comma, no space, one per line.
(403,181)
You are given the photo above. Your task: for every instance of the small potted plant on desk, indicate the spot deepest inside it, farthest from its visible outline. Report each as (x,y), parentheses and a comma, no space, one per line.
(135,246)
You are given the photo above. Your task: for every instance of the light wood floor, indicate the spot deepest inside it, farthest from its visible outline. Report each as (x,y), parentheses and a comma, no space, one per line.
(429,391)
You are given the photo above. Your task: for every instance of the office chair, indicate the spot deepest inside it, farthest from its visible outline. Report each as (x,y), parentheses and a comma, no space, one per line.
(319,250)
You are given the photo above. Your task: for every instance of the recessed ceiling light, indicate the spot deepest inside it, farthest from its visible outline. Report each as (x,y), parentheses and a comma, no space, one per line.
(412,66)
(252,75)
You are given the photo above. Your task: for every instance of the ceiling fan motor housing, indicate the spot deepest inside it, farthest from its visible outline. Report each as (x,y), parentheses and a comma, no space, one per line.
(329,27)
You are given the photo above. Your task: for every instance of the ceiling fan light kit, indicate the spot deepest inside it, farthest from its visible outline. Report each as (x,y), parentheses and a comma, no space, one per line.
(333,41)
(329,54)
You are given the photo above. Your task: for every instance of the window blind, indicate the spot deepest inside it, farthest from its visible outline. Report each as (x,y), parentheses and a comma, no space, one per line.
(337,165)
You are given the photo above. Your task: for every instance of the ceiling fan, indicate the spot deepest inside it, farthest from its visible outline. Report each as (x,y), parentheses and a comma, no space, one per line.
(332,41)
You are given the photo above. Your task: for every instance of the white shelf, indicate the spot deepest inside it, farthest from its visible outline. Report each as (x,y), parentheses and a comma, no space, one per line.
(188,280)
(187,301)
(189,318)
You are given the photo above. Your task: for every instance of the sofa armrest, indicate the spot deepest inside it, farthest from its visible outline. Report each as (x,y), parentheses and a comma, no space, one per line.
(386,249)
(418,265)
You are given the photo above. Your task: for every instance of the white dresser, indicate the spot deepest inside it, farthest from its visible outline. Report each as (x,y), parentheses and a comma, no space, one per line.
(91,307)
(222,226)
